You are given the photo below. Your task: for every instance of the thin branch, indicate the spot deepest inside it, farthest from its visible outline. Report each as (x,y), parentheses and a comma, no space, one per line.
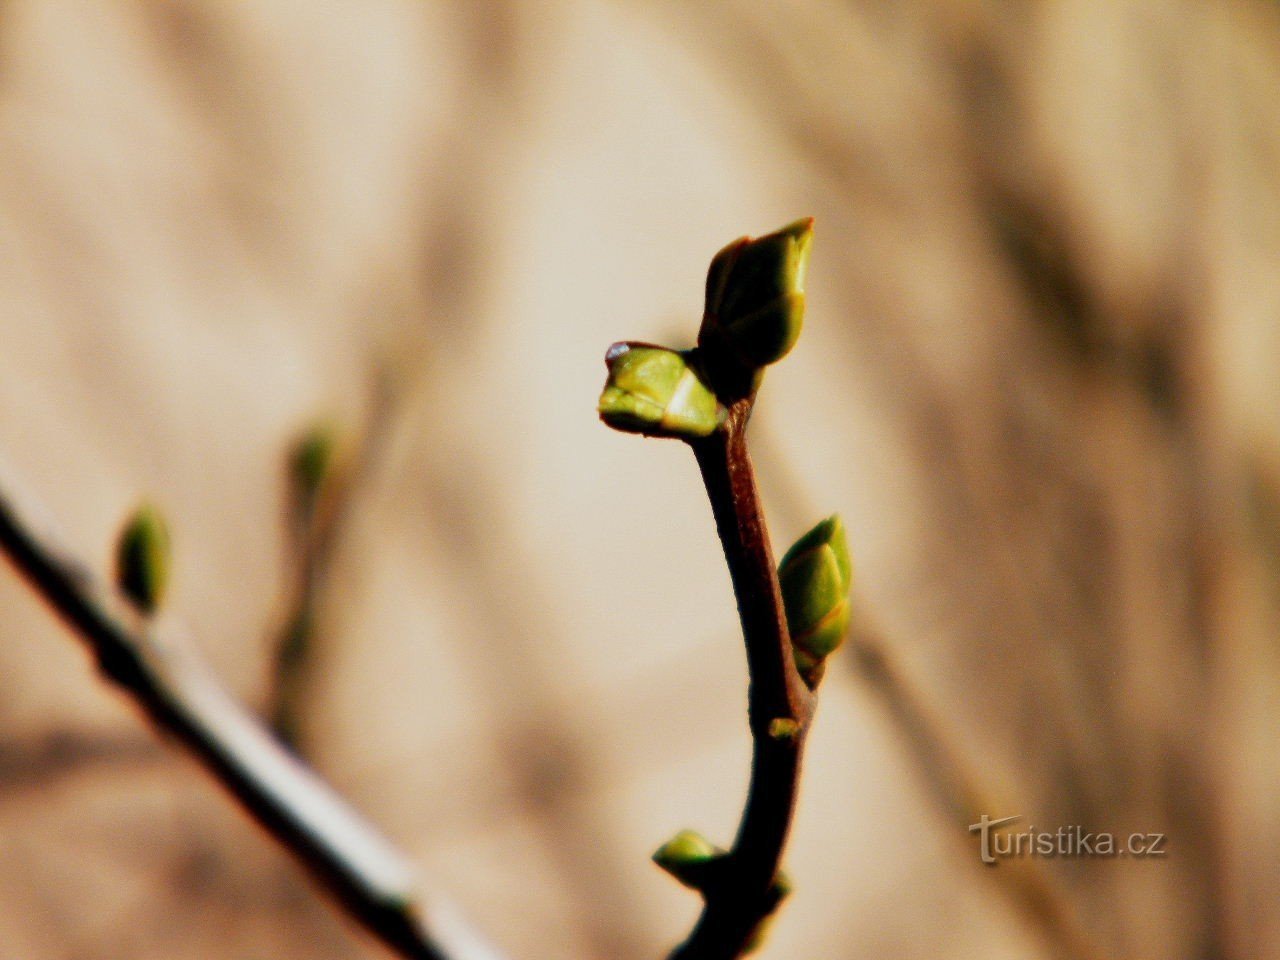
(315,521)
(735,907)
(165,676)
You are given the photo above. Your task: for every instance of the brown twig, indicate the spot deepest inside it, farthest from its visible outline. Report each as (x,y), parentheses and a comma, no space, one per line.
(166,677)
(747,894)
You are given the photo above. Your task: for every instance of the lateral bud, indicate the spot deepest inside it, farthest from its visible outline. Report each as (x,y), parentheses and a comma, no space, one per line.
(780,890)
(311,460)
(783,728)
(143,557)
(815,576)
(691,858)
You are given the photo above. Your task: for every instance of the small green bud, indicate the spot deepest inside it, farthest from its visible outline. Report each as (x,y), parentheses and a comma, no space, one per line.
(142,558)
(654,391)
(780,890)
(815,576)
(783,728)
(311,459)
(782,886)
(689,857)
(755,295)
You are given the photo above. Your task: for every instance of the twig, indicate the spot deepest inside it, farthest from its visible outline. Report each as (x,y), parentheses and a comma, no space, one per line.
(165,676)
(736,906)
(754,312)
(315,521)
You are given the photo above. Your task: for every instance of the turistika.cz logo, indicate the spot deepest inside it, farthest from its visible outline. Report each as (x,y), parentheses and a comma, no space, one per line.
(1072,841)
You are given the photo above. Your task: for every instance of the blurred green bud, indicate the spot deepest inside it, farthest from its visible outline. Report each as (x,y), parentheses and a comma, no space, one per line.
(783,728)
(780,891)
(312,457)
(142,558)
(689,857)
(654,391)
(815,576)
(755,295)
(782,886)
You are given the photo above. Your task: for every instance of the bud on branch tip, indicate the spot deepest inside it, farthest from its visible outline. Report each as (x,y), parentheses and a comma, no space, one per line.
(755,296)
(142,558)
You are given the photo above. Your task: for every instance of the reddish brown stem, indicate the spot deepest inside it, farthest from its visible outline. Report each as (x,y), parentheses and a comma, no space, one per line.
(737,905)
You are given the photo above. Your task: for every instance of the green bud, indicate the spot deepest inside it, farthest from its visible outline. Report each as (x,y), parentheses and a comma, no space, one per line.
(782,886)
(755,295)
(780,890)
(815,576)
(312,458)
(689,857)
(654,391)
(142,558)
(783,728)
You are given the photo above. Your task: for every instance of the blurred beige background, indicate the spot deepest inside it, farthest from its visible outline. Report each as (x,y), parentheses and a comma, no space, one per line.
(1038,379)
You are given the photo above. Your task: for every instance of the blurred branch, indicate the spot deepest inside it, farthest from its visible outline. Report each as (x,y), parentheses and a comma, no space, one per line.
(323,482)
(62,752)
(960,795)
(165,676)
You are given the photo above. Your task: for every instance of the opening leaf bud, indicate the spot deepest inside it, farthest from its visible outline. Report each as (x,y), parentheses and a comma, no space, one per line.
(655,392)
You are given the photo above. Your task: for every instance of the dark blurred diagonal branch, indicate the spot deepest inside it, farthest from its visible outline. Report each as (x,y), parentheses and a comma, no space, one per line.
(165,676)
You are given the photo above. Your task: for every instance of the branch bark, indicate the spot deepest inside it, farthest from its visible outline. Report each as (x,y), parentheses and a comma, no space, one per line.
(736,906)
(165,676)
